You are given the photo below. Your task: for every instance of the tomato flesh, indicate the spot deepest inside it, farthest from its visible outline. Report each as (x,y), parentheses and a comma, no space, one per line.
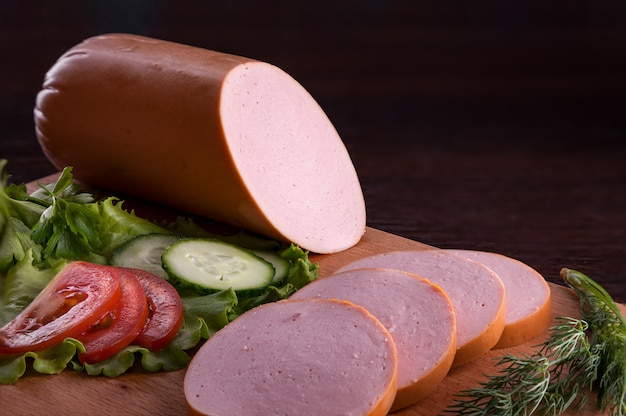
(71,303)
(118,327)
(166,311)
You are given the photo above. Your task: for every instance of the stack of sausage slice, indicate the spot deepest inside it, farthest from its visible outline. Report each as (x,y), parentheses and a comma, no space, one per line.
(528,306)
(436,306)
(418,314)
(476,292)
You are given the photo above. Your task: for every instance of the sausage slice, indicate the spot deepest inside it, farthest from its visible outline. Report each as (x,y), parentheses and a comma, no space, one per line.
(528,297)
(418,314)
(476,292)
(295,357)
(221,136)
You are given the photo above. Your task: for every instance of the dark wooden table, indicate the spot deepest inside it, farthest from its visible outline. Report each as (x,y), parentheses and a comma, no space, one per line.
(483,126)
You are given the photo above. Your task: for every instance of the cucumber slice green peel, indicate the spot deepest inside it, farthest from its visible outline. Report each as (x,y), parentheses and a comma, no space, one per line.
(209,265)
(144,252)
(281,264)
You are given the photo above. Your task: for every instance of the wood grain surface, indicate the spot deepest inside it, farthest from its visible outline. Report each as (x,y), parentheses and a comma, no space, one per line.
(139,394)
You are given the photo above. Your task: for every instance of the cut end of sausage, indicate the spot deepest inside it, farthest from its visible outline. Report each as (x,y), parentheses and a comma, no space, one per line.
(291,158)
(418,314)
(528,296)
(314,357)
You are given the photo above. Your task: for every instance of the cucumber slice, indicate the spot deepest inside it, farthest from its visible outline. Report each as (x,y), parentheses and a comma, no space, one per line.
(208,265)
(144,252)
(281,264)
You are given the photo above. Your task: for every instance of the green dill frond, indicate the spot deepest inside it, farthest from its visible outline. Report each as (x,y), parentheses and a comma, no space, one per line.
(579,356)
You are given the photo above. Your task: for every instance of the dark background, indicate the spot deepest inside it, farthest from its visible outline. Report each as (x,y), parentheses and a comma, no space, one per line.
(487,125)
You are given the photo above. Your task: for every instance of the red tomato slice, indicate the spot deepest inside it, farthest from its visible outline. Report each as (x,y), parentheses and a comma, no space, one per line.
(118,327)
(71,303)
(166,311)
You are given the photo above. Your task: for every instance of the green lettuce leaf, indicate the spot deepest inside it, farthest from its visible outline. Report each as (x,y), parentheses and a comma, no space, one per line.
(20,205)
(15,242)
(301,272)
(22,284)
(15,201)
(68,230)
(118,226)
(51,360)
(17,216)
(76,227)
(174,356)
(214,309)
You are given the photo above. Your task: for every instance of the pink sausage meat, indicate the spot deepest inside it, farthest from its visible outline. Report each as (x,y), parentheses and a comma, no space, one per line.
(418,314)
(304,357)
(528,299)
(476,292)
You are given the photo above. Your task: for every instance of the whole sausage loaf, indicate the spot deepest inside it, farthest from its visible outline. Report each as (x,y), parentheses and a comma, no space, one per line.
(221,136)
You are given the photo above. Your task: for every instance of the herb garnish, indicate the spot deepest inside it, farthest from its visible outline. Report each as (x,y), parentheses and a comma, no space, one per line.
(580,356)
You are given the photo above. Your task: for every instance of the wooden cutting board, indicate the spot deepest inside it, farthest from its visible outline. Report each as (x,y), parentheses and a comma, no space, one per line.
(138,393)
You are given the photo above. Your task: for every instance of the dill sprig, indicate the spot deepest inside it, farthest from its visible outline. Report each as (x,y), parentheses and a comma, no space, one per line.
(607,337)
(580,355)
